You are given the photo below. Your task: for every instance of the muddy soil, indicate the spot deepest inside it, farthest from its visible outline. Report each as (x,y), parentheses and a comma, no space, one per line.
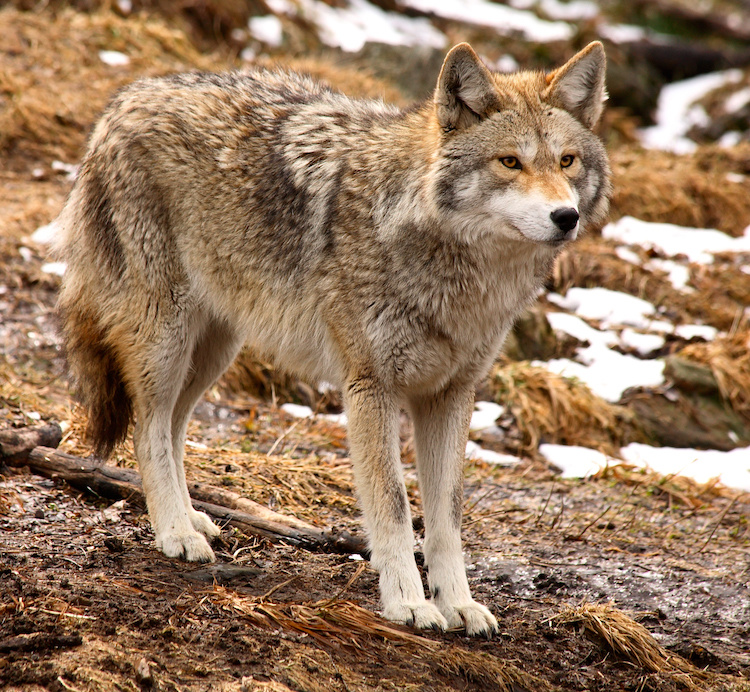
(87,603)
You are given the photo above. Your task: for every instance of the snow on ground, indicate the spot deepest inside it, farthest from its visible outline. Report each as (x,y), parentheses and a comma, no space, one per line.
(505,20)
(697,244)
(607,306)
(608,373)
(353,25)
(677,111)
(731,468)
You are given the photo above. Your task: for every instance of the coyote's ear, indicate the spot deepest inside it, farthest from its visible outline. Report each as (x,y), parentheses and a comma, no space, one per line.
(465,91)
(578,86)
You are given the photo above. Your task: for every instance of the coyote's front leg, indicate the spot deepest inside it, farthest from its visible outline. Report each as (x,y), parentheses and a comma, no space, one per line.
(374,443)
(441,428)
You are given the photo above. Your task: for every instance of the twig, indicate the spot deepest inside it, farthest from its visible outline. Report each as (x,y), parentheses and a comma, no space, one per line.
(544,508)
(718,523)
(282,436)
(591,523)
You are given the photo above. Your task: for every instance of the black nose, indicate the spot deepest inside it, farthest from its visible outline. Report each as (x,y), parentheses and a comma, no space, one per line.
(565,218)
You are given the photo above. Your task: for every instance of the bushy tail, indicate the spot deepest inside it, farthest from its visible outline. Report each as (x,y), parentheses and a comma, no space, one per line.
(97,378)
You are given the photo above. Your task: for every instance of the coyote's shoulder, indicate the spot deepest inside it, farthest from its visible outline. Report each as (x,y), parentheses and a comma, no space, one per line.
(385,250)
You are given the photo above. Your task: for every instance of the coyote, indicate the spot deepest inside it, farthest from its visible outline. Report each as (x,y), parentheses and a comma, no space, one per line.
(387,251)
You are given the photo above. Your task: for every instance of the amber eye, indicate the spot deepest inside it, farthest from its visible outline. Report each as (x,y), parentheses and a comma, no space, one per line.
(567,160)
(511,162)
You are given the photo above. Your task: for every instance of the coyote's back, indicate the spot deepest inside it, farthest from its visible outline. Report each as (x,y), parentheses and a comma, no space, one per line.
(383,250)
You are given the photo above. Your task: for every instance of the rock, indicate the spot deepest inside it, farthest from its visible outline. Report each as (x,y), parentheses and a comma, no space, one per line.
(690,376)
(532,337)
(688,419)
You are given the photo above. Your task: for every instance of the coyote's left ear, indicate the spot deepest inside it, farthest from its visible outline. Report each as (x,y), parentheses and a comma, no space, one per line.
(578,86)
(465,91)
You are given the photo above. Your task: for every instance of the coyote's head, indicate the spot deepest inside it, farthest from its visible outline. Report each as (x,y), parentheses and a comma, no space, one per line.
(517,155)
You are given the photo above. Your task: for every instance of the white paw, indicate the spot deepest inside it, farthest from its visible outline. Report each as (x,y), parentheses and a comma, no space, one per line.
(423,616)
(204,525)
(192,546)
(474,617)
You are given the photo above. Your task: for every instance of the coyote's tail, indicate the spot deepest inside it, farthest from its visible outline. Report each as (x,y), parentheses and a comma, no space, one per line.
(97,377)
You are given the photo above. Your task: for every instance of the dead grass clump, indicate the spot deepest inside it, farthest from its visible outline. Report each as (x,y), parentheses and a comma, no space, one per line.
(688,190)
(488,673)
(551,408)
(260,379)
(338,623)
(330,622)
(593,261)
(722,290)
(53,83)
(729,360)
(630,640)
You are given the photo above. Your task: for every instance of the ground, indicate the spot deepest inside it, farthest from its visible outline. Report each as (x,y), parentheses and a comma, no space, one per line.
(624,581)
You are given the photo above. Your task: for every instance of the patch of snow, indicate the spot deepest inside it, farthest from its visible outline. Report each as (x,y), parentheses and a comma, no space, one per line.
(114,58)
(642,343)
(350,27)
(578,329)
(737,101)
(697,244)
(732,468)
(573,11)
(575,462)
(44,235)
(678,274)
(505,20)
(297,410)
(610,307)
(608,373)
(701,331)
(474,451)
(622,33)
(266,29)
(485,415)
(70,169)
(676,112)
(627,255)
(337,418)
(505,63)
(57,268)
(730,139)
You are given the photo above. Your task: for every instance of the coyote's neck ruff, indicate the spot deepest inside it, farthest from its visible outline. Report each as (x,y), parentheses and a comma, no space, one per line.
(387,251)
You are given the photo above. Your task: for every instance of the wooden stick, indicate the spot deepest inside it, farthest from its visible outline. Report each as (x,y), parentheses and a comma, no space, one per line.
(16,443)
(248,516)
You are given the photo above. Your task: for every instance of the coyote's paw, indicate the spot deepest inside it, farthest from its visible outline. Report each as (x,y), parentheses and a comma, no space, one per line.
(204,525)
(422,615)
(192,547)
(474,617)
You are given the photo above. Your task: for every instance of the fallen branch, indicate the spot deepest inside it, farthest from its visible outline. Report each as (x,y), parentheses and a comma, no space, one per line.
(16,443)
(247,516)
(39,641)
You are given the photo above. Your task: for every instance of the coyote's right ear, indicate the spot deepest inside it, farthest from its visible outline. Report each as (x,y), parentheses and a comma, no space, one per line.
(465,90)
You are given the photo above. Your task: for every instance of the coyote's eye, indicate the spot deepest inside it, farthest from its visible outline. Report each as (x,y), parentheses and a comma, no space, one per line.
(510,162)
(567,160)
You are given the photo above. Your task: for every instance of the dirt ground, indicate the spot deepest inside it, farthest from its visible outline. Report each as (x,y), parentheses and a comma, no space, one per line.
(626,581)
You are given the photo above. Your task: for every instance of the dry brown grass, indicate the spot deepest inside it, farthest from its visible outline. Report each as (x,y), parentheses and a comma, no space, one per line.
(688,190)
(729,360)
(53,84)
(338,623)
(630,640)
(722,291)
(560,410)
